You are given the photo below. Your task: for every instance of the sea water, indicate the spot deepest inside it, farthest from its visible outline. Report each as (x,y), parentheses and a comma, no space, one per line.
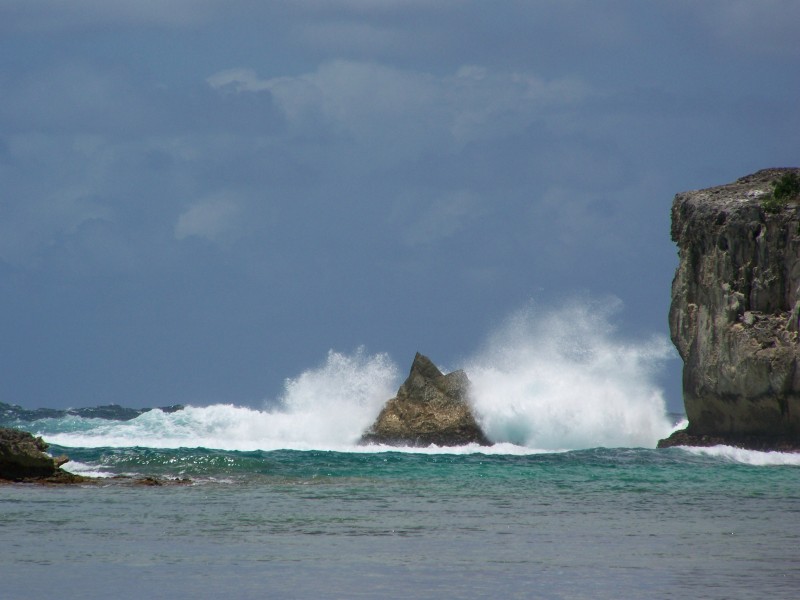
(571,501)
(599,523)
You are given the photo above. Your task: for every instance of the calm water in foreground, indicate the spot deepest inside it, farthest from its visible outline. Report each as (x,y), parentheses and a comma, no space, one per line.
(603,523)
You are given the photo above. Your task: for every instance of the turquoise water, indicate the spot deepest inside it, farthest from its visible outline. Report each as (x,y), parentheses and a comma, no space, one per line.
(594,523)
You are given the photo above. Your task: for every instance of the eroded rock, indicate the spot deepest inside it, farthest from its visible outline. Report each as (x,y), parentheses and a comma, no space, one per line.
(735,308)
(23,456)
(430,408)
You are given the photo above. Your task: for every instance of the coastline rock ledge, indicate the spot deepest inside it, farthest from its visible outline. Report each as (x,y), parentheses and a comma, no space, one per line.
(430,408)
(734,314)
(23,458)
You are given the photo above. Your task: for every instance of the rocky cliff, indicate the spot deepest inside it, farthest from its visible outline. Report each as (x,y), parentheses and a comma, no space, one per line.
(734,312)
(430,408)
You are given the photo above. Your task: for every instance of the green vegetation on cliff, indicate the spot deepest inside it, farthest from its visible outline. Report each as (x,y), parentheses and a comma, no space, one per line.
(783,190)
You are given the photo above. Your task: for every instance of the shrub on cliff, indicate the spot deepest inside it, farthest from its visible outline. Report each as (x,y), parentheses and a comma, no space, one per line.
(783,190)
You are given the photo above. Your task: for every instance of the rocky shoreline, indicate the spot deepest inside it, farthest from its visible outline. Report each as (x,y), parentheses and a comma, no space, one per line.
(23,460)
(745,442)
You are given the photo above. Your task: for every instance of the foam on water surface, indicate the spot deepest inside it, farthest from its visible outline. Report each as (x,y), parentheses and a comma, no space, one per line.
(748,457)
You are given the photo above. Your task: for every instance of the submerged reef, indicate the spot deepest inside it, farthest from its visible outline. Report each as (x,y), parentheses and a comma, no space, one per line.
(734,312)
(429,408)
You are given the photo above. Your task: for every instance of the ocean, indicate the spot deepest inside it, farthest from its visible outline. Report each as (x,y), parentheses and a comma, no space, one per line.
(461,523)
(572,501)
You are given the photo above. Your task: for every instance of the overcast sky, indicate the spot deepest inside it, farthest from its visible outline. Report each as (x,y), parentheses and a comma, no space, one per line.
(200,198)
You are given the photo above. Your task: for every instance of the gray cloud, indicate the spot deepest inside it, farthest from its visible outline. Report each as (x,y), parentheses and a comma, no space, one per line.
(215,218)
(374,103)
(443,217)
(50,15)
(746,28)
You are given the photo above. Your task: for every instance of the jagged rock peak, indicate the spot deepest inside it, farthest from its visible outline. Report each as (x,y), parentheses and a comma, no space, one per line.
(429,408)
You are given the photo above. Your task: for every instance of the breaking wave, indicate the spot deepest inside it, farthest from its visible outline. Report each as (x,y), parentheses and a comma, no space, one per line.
(754,458)
(328,407)
(565,380)
(547,380)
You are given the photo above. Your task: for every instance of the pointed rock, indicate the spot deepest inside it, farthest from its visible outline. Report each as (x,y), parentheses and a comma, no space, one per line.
(430,408)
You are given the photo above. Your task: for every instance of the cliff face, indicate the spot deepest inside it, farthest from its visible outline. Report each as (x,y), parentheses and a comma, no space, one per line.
(734,312)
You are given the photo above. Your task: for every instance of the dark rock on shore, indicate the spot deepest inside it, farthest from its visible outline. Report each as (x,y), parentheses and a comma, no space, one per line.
(765,443)
(430,408)
(23,458)
(112,412)
(734,313)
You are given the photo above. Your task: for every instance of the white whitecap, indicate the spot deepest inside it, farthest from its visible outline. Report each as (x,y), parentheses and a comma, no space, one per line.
(748,457)
(557,379)
(79,468)
(326,408)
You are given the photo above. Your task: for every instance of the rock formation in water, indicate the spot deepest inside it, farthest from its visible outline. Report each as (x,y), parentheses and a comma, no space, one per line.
(734,313)
(23,458)
(430,408)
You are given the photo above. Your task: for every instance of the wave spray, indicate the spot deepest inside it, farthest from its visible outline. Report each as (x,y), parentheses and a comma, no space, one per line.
(325,408)
(546,380)
(563,379)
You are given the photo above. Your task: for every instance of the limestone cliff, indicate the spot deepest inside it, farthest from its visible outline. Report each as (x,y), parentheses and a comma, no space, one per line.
(430,408)
(734,312)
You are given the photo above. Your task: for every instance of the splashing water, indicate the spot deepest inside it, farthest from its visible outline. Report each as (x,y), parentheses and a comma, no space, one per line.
(337,402)
(324,408)
(546,380)
(562,380)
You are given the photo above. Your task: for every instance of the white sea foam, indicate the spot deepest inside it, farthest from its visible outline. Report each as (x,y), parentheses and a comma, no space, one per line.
(563,379)
(748,457)
(499,449)
(682,424)
(545,381)
(324,408)
(79,468)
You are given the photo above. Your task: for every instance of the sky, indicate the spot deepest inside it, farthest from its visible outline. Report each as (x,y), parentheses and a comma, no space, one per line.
(201,198)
